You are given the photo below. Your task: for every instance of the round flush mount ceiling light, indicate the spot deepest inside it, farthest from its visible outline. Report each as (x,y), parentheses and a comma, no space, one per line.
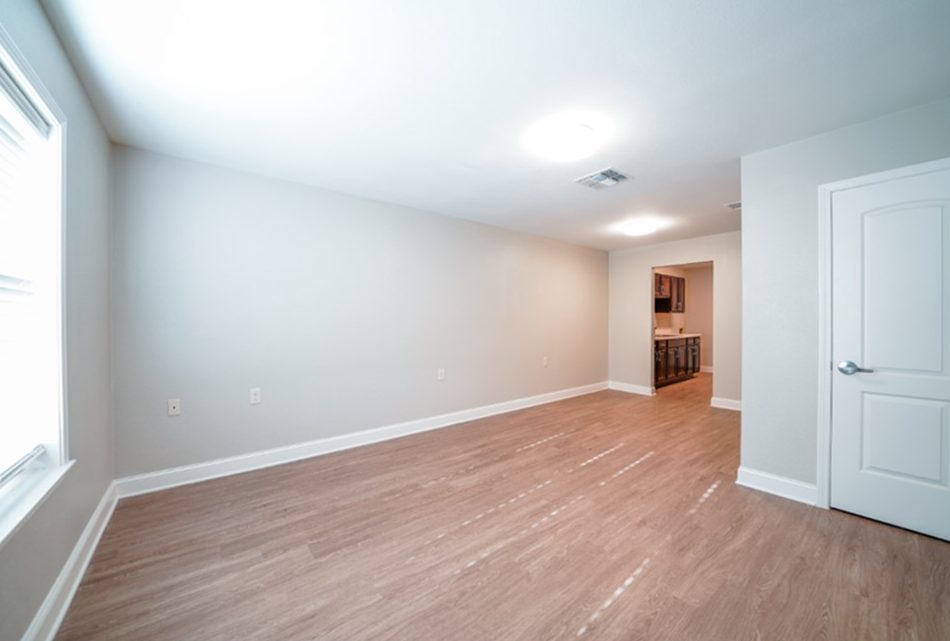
(567,136)
(642,226)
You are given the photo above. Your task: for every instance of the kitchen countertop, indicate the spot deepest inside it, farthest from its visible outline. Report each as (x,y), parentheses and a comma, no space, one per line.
(664,337)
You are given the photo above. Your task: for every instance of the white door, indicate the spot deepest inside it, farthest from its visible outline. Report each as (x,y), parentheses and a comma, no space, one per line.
(890,433)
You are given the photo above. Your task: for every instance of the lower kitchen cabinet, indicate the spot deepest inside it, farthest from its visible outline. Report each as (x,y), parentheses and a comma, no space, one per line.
(675,359)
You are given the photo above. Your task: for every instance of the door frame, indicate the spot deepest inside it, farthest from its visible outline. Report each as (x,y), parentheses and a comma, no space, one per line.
(825,348)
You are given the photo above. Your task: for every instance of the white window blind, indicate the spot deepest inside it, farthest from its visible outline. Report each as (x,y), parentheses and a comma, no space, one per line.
(30,274)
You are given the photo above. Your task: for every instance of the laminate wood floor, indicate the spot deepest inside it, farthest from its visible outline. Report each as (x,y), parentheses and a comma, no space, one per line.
(607,516)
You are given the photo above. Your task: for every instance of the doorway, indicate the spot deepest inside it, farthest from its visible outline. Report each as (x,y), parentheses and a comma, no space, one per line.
(682,328)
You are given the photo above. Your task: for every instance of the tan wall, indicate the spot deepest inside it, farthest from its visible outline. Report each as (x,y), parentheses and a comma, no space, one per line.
(699,309)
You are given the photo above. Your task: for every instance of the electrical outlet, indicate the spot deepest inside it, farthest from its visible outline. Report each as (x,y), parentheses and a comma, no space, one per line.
(440,374)
(174,406)
(544,361)
(255,395)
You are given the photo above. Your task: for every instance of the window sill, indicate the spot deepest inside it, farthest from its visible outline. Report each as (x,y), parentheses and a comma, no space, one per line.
(18,503)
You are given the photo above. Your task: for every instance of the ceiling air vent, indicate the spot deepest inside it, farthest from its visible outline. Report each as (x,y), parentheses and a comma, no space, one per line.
(602,179)
(736,206)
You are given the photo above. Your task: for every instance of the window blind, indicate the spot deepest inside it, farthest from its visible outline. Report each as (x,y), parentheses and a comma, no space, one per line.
(29,281)
(22,132)
(15,94)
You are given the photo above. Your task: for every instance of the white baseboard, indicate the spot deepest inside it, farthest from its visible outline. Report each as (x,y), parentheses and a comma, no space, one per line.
(778,485)
(706,369)
(50,616)
(725,403)
(173,477)
(630,388)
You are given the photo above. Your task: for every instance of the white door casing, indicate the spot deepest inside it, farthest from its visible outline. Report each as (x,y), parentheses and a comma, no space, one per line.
(890,310)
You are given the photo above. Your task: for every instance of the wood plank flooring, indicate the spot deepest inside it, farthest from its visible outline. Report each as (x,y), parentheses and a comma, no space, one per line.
(608,516)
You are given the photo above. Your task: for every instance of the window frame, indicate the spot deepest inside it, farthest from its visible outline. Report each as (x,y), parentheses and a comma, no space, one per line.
(32,485)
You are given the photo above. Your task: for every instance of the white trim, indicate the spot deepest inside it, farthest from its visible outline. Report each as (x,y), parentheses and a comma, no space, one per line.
(630,388)
(38,485)
(823,444)
(164,479)
(35,89)
(33,487)
(706,369)
(59,136)
(50,616)
(918,169)
(777,485)
(825,347)
(726,403)
(41,99)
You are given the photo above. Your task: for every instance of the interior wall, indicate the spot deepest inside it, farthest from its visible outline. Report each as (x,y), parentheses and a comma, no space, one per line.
(780,260)
(341,309)
(699,309)
(32,558)
(631,308)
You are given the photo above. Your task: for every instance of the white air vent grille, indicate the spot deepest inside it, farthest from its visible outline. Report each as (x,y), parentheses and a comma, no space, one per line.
(602,179)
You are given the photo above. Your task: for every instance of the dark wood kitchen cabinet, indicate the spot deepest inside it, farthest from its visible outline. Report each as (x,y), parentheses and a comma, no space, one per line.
(660,359)
(669,294)
(692,357)
(677,295)
(661,286)
(675,359)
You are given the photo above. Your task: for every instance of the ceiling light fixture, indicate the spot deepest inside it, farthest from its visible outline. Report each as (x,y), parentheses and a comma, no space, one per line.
(641,226)
(567,136)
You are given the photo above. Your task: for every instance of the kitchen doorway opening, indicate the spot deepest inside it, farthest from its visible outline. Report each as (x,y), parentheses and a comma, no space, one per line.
(682,325)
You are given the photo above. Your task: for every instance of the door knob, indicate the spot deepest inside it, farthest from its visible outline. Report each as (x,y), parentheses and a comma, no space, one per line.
(850,368)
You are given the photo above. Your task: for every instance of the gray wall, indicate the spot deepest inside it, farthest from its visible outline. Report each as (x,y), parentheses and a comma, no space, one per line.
(631,308)
(32,558)
(341,309)
(780,261)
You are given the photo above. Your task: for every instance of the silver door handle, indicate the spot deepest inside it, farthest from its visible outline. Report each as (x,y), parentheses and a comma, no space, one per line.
(849,368)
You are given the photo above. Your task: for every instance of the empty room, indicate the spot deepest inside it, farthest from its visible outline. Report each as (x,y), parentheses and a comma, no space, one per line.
(474,321)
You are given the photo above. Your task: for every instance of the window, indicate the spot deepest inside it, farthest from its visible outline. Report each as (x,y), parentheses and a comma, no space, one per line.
(31,345)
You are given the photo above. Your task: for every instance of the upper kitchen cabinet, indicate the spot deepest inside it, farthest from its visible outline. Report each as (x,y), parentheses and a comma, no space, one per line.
(669,294)
(677,295)
(661,286)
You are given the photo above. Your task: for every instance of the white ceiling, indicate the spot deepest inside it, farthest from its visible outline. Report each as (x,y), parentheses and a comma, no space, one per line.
(422,102)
